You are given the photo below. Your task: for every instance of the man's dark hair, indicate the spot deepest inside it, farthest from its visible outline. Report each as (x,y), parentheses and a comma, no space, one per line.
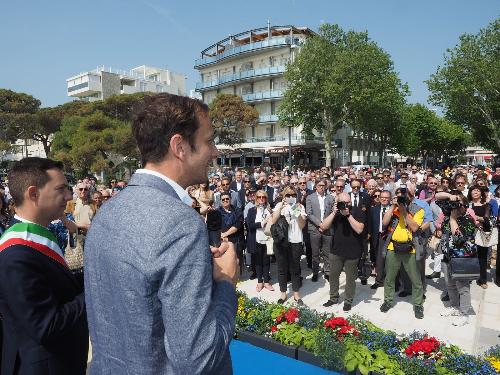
(30,172)
(158,117)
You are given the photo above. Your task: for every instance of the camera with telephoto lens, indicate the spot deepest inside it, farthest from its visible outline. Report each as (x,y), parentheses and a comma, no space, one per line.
(402,199)
(341,206)
(447,206)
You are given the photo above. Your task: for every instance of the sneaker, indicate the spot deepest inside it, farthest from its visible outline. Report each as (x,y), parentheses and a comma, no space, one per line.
(314,278)
(419,312)
(269,287)
(450,311)
(460,320)
(375,286)
(434,275)
(253,276)
(347,306)
(364,282)
(330,302)
(299,301)
(386,306)
(259,287)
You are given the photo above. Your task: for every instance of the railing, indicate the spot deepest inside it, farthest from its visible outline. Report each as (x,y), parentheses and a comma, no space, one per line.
(263,95)
(268,118)
(281,138)
(244,48)
(126,73)
(78,87)
(240,76)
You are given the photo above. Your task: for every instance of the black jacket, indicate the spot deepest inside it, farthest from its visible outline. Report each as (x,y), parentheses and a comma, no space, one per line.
(44,318)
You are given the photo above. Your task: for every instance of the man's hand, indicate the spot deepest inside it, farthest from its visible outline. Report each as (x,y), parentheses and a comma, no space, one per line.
(221,250)
(226,266)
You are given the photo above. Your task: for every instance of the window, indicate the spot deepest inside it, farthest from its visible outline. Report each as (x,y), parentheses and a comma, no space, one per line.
(272,61)
(246,66)
(247,89)
(143,86)
(273,108)
(253,131)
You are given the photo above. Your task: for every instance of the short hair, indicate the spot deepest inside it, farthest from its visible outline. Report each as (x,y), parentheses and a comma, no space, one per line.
(156,118)
(28,172)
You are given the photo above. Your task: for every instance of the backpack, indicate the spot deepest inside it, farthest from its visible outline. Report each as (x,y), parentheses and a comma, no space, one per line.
(279,231)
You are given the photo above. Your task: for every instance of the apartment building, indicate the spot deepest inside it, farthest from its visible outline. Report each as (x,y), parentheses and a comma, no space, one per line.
(104,82)
(251,64)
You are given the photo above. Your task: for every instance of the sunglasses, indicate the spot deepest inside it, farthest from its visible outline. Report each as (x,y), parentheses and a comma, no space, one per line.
(290,195)
(355,187)
(302,183)
(261,197)
(225,200)
(83,189)
(379,177)
(320,185)
(246,181)
(339,187)
(459,183)
(376,195)
(224,184)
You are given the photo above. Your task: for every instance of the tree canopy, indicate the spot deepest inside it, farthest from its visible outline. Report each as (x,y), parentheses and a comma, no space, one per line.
(230,116)
(467,85)
(341,78)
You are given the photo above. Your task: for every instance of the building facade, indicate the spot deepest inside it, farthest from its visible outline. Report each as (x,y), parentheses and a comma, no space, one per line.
(103,82)
(252,64)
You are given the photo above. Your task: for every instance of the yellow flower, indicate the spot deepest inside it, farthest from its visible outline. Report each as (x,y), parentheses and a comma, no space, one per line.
(495,362)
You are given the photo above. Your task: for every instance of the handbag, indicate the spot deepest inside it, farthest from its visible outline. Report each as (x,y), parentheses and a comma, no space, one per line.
(74,255)
(269,246)
(486,239)
(402,247)
(267,228)
(466,268)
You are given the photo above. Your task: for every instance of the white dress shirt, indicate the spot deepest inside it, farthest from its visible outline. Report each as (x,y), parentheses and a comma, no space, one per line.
(321,200)
(181,193)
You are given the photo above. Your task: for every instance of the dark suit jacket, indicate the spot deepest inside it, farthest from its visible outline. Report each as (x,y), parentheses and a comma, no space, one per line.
(374,225)
(299,196)
(364,203)
(44,319)
(252,227)
(233,186)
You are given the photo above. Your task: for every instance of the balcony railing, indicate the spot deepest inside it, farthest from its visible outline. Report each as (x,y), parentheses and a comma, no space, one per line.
(78,87)
(268,118)
(247,74)
(245,48)
(281,138)
(263,95)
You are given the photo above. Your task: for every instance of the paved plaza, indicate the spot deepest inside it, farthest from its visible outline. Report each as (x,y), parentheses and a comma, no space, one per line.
(481,333)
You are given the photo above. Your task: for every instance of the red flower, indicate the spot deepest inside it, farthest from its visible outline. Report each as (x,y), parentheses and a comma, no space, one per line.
(274,329)
(426,346)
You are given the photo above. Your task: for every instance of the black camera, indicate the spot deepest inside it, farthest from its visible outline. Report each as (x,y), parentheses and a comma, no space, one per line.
(447,206)
(401,200)
(341,206)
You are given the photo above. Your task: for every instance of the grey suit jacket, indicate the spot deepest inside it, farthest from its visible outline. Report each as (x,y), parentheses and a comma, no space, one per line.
(314,213)
(152,305)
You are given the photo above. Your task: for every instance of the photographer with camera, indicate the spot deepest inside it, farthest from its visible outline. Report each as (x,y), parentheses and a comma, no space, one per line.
(403,219)
(348,225)
(457,244)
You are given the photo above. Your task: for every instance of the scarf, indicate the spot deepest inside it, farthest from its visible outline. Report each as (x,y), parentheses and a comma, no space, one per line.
(34,236)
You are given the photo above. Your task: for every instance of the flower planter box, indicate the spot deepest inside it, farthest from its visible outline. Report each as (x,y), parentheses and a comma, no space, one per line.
(308,357)
(268,344)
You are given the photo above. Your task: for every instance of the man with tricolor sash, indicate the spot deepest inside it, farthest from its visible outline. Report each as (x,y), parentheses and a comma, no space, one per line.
(41,302)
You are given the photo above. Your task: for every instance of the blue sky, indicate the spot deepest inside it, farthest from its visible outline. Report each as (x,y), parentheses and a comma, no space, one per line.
(45,42)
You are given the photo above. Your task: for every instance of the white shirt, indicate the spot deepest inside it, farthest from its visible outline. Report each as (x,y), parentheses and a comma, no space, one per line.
(321,200)
(261,214)
(181,193)
(294,231)
(352,199)
(382,217)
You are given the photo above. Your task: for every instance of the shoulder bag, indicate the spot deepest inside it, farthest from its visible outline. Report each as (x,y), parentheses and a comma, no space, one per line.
(466,268)
(74,255)
(486,239)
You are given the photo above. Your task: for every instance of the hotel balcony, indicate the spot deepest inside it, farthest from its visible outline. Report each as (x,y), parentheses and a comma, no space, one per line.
(262,96)
(239,77)
(247,49)
(268,118)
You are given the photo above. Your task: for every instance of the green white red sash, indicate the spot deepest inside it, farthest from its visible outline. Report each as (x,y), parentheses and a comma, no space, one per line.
(35,236)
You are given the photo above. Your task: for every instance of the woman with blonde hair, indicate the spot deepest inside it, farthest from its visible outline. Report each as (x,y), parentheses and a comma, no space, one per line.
(257,219)
(289,251)
(203,196)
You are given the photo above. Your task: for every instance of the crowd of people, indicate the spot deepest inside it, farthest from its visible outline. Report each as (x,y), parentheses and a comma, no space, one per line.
(367,222)
(160,253)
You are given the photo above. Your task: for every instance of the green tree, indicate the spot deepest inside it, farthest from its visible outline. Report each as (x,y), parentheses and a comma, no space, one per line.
(94,143)
(17,112)
(468,85)
(230,116)
(341,78)
(429,136)
(120,106)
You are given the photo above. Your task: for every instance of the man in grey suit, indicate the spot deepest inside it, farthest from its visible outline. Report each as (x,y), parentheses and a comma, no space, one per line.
(318,206)
(159,299)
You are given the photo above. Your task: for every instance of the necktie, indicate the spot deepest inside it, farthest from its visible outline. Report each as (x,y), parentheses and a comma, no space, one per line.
(355,200)
(383,213)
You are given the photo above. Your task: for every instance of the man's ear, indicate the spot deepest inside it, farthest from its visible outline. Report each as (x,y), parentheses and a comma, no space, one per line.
(178,146)
(32,193)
